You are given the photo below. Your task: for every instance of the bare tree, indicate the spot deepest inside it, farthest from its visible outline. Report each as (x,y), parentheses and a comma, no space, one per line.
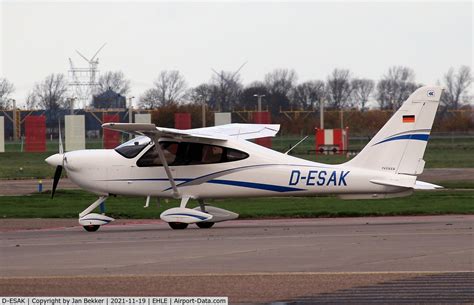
(456,85)
(361,91)
(339,89)
(50,94)
(395,87)
(149,99)
(309,94)
(169,88)
(115,81)
(31,101)
(227,88)
(204,93)
(6,88)
(280,81)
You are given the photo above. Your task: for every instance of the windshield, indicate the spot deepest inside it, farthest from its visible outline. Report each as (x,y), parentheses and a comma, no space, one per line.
(132,148)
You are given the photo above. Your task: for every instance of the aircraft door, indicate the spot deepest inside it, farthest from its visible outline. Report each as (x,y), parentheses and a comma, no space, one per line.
(119,178)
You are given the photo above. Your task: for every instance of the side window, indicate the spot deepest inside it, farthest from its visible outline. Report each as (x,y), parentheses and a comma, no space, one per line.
(151,157)
(212,154)
(235,155)
(185,153)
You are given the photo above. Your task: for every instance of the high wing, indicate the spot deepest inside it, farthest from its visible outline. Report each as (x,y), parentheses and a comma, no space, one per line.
(222,132)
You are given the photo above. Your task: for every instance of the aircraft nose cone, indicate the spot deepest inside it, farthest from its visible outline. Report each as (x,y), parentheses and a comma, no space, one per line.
(54,160)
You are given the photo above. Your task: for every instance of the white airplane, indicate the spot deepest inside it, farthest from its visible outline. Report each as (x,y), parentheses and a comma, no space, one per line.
(220,162)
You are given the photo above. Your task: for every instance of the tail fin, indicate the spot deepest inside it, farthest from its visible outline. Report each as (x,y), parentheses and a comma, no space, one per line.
(399,146)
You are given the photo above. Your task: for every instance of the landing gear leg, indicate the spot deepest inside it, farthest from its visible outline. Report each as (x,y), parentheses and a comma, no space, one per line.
(92,207)
(202,205)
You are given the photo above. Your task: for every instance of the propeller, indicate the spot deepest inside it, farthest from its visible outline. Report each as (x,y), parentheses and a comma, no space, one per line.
(57,176)
(59,168)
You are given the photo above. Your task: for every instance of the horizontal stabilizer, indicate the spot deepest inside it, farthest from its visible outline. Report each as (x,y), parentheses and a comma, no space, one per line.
(398,183)
(407,183)
(421,185)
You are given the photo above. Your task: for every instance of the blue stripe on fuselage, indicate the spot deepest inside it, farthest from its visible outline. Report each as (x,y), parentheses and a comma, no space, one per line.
(260,186)
(419,137)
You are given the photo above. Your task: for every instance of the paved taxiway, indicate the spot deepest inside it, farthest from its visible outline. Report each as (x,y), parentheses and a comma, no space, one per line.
(249,260)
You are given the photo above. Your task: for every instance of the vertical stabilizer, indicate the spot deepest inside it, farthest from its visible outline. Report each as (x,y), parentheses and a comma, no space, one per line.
(399,146)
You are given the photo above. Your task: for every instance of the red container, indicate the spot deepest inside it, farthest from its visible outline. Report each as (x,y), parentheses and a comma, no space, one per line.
(35,133)
(111,138)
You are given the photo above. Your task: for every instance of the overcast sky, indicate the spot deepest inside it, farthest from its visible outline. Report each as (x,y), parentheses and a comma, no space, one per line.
(37,38)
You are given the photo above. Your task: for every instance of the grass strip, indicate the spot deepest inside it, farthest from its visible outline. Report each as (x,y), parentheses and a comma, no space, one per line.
(68,204)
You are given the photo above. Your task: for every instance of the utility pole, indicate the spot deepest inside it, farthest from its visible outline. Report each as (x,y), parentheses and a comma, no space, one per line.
(130,113)
(342,118)
(259,96)
(203,113)
(321,114)
(15,120)
(71,105)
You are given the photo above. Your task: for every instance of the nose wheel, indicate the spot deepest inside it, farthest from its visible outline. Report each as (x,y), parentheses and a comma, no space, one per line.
(91,222)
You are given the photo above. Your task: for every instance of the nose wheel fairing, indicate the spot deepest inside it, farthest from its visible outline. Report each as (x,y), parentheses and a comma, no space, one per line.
(92,221)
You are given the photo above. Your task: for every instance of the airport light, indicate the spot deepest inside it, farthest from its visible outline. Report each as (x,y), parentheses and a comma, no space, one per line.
(15,118)
(259,96)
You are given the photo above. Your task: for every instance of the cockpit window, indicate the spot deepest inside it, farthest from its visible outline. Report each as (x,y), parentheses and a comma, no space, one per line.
(151,157)
(133,147)
(184,153)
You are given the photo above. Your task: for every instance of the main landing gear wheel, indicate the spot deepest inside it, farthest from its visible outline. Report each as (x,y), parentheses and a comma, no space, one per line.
(91,228)
(205,225)
(178,225)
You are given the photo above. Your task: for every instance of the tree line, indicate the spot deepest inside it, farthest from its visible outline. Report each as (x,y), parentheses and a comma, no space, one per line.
(225,90)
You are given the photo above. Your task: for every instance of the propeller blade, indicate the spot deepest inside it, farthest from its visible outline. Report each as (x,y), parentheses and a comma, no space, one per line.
(61,148)
(57,176)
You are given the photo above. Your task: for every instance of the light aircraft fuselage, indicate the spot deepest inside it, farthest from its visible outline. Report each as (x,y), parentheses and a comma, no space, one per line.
(220,162)
(264,172)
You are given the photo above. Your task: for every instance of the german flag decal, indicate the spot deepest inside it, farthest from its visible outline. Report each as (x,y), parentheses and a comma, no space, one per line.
(408,119)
